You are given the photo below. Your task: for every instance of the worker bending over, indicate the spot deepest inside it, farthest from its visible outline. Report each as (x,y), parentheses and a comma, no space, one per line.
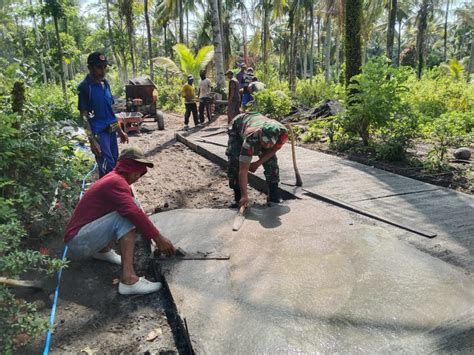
(254,134)
(108,213)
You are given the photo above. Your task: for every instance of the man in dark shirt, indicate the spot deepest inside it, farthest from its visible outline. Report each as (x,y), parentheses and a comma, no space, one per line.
(240,75)
(95,105)
(107,214)
(233,103)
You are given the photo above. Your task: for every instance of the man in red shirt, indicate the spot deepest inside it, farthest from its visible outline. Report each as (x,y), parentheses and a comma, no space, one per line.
(109,213)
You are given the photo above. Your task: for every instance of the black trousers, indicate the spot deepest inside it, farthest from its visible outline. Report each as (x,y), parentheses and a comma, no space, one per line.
(204,105)
(191,107)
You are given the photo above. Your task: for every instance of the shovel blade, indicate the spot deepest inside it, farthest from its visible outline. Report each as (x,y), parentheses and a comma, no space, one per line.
(239,219)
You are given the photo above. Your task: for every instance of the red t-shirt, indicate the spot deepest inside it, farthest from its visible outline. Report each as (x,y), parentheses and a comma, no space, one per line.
(110,193)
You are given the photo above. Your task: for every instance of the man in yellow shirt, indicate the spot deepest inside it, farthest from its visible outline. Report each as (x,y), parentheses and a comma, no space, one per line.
(190,102)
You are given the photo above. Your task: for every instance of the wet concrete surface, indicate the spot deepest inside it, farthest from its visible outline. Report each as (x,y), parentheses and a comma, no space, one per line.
(310,277)
(418,205)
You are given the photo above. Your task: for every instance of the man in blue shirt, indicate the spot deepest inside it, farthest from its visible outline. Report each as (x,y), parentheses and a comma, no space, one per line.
(95,105)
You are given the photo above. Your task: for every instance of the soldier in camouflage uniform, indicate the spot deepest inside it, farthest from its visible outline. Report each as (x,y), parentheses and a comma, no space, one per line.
(253,134)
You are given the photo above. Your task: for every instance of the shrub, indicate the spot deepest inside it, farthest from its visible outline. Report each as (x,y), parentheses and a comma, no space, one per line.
(268,75)
(311,93)
(451,129)
(377,98)
(274,104)
(437,93)
(39,183)
(169,94)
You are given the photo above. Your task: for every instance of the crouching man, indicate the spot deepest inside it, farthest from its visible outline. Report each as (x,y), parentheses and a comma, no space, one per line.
(108,213)
(254,134)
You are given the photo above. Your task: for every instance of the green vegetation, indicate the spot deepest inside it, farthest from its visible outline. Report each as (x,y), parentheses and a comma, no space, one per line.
(40,171)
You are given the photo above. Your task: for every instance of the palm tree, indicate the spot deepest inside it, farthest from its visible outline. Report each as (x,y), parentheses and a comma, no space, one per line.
(37,44)
(188,63)
(372,9)
(217,41)
(420,36)
(126,9)
(55,9)
(148,36)
(401,15)
(392,17)
(352,37)
(445,36)
(112,42)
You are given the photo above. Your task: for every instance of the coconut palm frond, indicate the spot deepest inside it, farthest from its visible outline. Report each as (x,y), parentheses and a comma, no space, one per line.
(167,64)
(204,56)
(185,56)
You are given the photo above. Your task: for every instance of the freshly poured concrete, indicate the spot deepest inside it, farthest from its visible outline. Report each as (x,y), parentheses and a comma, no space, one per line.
(310,277)
(416,204)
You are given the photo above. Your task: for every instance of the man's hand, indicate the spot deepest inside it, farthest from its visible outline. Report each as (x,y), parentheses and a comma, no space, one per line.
(244,201)
(254,166)
(165,246)
(123,137)
(95,147)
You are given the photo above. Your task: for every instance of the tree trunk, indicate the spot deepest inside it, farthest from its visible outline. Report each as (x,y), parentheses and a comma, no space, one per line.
(52,72)
(445,39)
(187,27)
(392,17)
(226,27)
(420,37)
(352,37)
(292,54)
(132,55)
(217,42)
(319,37)
(112,43)
(265,33)
(60,57)
(244,34)
(311,48)
(38,47)
(181,21)
(148,36)
(164,40)
(470,68)
(399,41)
(338,54)
(327,49)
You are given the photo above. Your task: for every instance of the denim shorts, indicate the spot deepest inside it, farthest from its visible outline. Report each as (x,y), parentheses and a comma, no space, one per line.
(97,234)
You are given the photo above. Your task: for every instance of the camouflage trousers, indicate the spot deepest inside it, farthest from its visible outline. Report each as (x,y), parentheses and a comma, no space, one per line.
(270,167)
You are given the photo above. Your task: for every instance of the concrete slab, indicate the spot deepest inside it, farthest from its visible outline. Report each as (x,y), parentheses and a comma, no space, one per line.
(310,277)
(437,210)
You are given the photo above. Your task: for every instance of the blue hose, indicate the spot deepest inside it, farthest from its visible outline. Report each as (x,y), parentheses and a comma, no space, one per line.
(47,342)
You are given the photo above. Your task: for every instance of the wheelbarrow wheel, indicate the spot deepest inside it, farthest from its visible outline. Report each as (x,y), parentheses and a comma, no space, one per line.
(160,120)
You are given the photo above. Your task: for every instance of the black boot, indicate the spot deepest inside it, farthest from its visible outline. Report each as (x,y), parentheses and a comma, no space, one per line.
(237,197)
(273,193)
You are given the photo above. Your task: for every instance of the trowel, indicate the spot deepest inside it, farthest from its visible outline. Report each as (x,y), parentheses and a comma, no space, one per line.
(240,218)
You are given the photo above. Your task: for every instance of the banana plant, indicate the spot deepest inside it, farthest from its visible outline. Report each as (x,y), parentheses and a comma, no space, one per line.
(187,64)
